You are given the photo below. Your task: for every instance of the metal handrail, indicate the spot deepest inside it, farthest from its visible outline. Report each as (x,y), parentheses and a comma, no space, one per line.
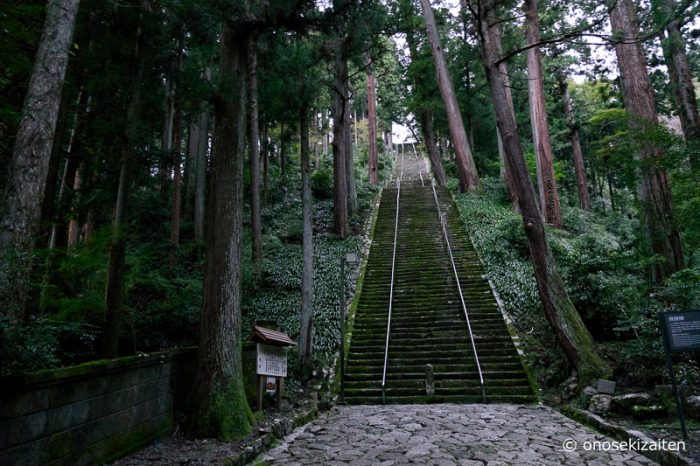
(459,288)
(391,286)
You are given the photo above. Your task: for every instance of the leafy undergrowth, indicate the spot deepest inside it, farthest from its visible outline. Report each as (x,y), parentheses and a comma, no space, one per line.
(162,307)
(598,255)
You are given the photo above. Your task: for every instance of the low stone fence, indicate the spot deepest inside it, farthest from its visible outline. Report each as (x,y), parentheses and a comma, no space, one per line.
(94,412)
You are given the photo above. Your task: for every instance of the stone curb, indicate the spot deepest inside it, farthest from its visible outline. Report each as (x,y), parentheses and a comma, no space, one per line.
(664,458)
(280,428)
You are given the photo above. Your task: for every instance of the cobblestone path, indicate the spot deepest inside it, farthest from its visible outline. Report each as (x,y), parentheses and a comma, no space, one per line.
(444,434)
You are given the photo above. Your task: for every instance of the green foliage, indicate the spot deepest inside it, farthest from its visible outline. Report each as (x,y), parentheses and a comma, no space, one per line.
(322,183)
(601,264)
(42,343)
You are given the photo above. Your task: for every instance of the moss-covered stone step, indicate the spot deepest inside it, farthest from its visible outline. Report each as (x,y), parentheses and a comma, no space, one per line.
(408,347)
(442,399)
(489,376)
(422,318)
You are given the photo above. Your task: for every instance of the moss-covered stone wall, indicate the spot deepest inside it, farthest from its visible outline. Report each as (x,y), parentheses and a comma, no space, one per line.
(94,412)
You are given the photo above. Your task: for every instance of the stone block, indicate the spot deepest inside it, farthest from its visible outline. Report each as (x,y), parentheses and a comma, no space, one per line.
(606,386)
(623,404)
(599,404)
(23,429)
(692,407)
(21,404)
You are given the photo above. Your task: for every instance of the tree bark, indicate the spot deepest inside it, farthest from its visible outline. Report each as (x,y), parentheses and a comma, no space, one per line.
(200,177)
(674,49)
(254,143)
(307,317)
(70,182)
(73,224)
(340,122)
(546,179)
(48,204)
(115,265)
(506,175)
(177,184)
(21,206)
(372,125)
(654,189)
(283,149)
(349,154)
(222,409)
(167,138)
(568,327)
(265,157)
(117,249)
(190,164)
(577,154)
(466,169)
(426,122)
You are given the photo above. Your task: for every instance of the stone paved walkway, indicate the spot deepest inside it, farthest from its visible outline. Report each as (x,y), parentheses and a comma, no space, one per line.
(445,434)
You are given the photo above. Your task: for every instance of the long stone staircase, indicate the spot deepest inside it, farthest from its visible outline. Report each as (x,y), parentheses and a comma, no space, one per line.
(428,325)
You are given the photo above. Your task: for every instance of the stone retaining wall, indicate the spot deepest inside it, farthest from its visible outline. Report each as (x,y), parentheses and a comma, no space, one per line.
(93,412)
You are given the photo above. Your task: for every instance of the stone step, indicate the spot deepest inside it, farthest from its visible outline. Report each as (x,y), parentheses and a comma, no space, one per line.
(517,399)
(442,375)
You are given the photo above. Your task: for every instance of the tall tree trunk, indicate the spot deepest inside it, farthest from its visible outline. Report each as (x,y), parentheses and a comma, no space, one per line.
(115,266)
(254,141)
(200,182)
(48,204)
(340,123)
(21,206)
(426,123)
(284,138)
(73,224)
(265,157)
(568,327)
(577,154)
(177,183)
(372,124)
(466,169)
(222,409)
(307,311)
(546,179)
(506,175)
(654,190)
(117,249)
(354,126)
(349,153)
(190,164)
(674,49)
(67,189)
(167,138)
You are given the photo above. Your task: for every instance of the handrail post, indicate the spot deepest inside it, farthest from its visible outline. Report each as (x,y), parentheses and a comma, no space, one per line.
(459,288)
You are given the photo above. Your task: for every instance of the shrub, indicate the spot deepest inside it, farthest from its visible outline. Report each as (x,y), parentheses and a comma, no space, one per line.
(322,183)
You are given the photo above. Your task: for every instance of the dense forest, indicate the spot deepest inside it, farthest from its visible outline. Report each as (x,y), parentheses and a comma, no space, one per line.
(175,170)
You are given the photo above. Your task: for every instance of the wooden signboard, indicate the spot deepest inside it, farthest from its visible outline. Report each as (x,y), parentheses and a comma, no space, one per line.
(272,360)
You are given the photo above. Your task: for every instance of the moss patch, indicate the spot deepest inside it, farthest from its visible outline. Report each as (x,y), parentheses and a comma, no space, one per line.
(226,415)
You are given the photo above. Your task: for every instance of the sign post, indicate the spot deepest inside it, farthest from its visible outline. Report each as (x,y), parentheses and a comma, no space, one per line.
(681,332)
(271,361)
